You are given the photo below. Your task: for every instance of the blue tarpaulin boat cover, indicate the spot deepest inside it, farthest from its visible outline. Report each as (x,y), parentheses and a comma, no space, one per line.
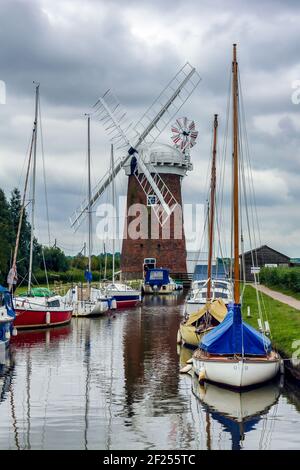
(7,301)
(234,336)
(157,277)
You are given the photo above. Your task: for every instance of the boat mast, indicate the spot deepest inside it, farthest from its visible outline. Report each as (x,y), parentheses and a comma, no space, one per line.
(33,185)
(22,209)
(89,205)
(113,203)
(212,209)
(235,178)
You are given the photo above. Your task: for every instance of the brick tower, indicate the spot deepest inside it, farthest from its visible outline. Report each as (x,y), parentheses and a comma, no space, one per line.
(166,244)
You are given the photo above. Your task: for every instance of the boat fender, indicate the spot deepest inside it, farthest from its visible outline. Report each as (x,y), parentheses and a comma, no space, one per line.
(48,318)
(113,304)
(14,331)
(7,335)
(179,338)
(201,376)
(186,369)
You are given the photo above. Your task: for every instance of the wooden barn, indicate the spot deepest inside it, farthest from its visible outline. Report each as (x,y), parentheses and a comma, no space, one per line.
(264,256)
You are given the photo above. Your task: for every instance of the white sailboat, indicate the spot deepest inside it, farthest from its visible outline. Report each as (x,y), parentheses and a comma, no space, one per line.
(205,316)
(234,353)
(88,301)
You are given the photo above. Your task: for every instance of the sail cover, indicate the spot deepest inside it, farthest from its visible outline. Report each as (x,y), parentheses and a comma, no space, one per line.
(234,336)
(157,277)
(217,309)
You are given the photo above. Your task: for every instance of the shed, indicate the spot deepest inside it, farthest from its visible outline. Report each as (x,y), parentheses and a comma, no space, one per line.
(264,256)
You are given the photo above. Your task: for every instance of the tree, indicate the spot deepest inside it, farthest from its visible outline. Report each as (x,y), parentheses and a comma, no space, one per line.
(55,259)
(5,237)
(24,244)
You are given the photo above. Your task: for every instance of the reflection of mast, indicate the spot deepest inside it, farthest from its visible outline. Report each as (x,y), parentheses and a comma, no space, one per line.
(28,375)
(13,410)
(109,430)
(87,354)
(14,418)
(208,436)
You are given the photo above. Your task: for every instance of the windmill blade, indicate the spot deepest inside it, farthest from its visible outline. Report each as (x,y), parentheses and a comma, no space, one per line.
(166,106)
(108,110)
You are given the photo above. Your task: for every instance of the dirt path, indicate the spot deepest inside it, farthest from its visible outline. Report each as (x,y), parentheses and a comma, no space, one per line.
(286,299)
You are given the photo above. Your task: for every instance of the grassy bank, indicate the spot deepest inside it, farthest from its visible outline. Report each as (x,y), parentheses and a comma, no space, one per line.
(62,287)
(285,280)
(283,319)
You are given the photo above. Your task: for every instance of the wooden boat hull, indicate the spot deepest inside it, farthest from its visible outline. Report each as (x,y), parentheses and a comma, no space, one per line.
(238,373)
(41,317)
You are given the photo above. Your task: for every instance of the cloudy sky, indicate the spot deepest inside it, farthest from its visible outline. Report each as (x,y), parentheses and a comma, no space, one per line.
(78,49)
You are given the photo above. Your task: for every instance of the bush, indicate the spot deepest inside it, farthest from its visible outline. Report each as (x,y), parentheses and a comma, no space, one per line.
(72,275)
(285,278)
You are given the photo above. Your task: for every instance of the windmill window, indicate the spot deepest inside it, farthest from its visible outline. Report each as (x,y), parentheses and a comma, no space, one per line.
(151,200)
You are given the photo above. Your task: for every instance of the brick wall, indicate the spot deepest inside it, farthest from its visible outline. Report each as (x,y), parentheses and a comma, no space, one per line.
(169,253)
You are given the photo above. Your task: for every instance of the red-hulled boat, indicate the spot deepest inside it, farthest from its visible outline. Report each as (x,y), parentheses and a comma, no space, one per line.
(39,308)
(41,312)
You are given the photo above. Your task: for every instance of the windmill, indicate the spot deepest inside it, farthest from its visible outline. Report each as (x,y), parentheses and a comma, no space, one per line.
(127,141)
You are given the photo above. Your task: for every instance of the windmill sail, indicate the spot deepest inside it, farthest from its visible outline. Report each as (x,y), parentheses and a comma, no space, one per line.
(109,111)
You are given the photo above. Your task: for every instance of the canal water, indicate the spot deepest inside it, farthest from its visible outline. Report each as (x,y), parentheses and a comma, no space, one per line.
(114,383)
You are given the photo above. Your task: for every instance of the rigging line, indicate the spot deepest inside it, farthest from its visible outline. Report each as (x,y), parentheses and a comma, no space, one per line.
(244,190)
(45,267)
(44,171)
(246,206)
(251,179)
(253,207)
(223,154)
(25,160)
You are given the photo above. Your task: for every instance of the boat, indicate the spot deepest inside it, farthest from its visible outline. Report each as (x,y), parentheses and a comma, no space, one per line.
(205,291)
(203,317)
(158,281)
(36,309)
(234,354)
(124,295)
(7,317)
(88,301)
(220,289)
(41,308)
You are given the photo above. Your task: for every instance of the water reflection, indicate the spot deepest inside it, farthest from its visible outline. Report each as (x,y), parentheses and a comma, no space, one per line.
(31,338)
(237,412)
(7,365)
(114,383)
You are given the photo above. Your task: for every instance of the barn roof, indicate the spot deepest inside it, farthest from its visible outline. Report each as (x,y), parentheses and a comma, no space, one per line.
(269,248)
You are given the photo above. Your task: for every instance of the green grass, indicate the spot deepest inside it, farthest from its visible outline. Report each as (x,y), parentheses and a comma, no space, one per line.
(284,320)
